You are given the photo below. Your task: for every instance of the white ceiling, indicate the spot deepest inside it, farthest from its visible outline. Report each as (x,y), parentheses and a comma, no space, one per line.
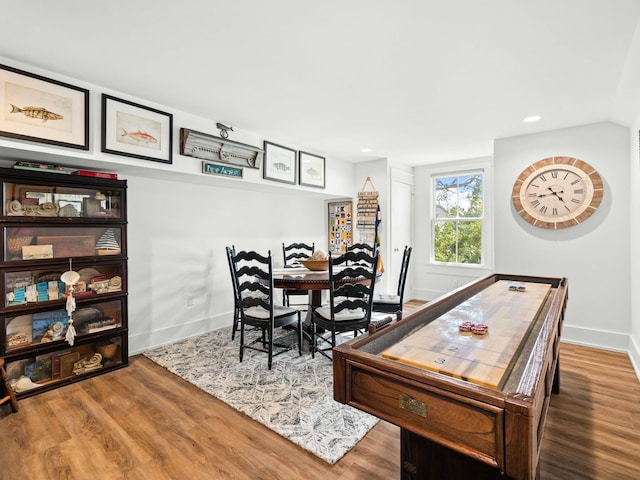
(417,81)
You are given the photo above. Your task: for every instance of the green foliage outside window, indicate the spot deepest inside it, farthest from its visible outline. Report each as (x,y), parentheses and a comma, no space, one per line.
(457,227)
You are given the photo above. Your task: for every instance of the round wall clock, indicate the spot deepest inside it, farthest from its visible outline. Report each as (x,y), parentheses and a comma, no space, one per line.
(557,192)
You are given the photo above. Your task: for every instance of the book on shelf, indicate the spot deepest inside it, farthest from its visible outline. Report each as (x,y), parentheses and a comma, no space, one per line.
(93,173)
(43,167)
(55,363)
(102,328)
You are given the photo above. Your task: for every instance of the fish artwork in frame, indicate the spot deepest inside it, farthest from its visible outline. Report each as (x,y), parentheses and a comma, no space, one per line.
(133,130)
(312,170)
(279,163)
(44,110)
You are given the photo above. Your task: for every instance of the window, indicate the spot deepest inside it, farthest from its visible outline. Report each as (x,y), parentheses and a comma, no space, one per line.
(457,218)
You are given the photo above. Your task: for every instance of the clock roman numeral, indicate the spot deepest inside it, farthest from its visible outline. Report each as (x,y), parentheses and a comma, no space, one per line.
(575,181)
(543,178)
(579,191)
(535,203)
(543,209)
(554,211)
(554,174)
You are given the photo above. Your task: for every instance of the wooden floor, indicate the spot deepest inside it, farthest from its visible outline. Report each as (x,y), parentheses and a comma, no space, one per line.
(142,422)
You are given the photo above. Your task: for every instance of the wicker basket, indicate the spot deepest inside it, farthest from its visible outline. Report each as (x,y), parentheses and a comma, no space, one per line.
(108,350)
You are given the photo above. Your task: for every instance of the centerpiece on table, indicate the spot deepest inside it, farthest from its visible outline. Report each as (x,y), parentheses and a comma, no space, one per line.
(318,261)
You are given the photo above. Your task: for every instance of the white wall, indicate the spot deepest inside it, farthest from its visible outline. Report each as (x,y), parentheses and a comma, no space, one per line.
(180,220)
(628,106)
(594,255)
(634,253)
(177,238)
(339,178)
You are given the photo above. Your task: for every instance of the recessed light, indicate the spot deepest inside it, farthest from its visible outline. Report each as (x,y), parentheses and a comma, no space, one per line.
(365,150)
(532,118)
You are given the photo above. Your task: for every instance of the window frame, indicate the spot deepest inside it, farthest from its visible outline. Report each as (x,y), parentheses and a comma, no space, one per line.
(454,220)
(431,172)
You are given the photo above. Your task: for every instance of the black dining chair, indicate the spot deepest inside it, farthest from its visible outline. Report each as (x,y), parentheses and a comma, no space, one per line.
(369,249)
(392,302)
(292,254)
(351,286)
(363,247)
(231,251)
(253,277)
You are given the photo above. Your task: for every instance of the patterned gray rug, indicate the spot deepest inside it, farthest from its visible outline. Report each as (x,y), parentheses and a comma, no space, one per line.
(294,398)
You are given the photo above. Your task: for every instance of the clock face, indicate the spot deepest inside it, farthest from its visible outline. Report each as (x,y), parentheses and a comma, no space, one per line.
(557,192)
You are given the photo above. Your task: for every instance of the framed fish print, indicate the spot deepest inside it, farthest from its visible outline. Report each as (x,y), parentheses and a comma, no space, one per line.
(40,109)
(133,130)
(312,170)
(279,163)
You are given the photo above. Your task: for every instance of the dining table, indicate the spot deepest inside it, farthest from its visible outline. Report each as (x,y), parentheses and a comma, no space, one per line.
(301,278)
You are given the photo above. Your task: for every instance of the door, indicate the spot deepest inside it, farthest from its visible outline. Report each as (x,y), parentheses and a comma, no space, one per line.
(401,209)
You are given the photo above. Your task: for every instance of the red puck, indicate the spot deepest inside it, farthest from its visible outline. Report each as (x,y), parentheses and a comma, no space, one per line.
(480,329)
(466,326)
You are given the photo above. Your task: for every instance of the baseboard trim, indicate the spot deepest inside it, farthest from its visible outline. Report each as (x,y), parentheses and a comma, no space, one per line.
(142,342)
(634,355)
(589,337)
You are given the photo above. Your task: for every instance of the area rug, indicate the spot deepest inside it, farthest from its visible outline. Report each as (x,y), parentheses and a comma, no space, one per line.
(294,398)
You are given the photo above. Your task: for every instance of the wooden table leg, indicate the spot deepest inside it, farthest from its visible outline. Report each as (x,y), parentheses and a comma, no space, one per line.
(315,300)
(10,395)
(422,459)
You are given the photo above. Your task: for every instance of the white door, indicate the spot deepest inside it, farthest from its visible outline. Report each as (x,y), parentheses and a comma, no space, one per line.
(401,214)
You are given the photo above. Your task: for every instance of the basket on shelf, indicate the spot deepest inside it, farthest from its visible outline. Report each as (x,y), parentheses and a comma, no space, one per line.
(108,350)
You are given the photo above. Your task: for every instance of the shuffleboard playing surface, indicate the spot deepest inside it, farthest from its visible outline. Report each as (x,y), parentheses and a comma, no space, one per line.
(481,359)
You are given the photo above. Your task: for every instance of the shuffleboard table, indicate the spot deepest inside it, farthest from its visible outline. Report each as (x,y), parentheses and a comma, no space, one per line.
(470,404)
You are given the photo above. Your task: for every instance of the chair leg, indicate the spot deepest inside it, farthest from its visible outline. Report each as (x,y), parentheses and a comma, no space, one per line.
(241,339)
(314,340)
(300,336)
(270,345)
(236,316)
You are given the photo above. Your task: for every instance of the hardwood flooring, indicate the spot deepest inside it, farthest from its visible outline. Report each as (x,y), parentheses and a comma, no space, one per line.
(142,422)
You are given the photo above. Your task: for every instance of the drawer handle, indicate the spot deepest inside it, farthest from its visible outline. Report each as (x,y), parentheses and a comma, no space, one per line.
(412,405)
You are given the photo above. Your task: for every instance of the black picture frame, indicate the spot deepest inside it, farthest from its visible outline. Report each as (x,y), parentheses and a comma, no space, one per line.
(312,170)
(133,130)
(279,163)
(43,110)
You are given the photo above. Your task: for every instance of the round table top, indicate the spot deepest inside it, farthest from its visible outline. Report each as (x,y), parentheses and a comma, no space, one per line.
(302,279)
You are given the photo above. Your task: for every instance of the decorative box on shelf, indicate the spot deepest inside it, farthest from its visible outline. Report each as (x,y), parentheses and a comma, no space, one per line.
(50,224)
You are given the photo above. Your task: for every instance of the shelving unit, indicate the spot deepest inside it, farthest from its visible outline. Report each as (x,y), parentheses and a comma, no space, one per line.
(49,223)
